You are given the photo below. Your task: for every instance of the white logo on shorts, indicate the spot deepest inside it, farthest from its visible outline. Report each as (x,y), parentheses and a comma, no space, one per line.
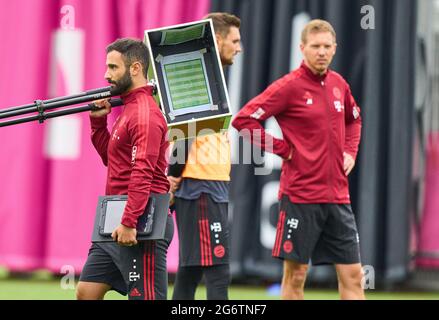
(293,223)
(134,276)
(216,227)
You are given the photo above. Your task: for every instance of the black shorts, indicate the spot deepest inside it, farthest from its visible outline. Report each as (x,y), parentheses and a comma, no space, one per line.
(322,233)
(139,271)
(203,231)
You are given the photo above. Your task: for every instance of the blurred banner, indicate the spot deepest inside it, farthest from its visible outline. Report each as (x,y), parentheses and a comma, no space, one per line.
(51,176)
(426,216)
(428,255)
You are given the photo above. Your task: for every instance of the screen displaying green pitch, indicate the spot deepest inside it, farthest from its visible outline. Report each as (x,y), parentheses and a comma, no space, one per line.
(187,85)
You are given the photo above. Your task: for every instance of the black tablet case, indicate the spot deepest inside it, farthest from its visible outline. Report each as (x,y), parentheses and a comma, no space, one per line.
(159,203)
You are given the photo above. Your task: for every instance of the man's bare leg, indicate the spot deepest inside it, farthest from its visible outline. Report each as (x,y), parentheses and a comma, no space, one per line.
(293,280)
(349,281)
(91,290)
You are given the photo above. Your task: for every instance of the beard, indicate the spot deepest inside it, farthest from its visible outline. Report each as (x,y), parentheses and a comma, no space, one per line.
(226,62)
(122,85)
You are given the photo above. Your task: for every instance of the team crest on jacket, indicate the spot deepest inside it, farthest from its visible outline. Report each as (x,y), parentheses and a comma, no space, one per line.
(337,93)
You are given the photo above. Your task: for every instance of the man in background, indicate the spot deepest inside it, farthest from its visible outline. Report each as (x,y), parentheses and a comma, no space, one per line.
(321,127)
(201,190)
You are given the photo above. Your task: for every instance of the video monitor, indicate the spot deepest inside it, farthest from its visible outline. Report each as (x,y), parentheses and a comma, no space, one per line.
(186,67)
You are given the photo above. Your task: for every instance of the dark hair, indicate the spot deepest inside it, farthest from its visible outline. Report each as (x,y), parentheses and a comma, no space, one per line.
(132,50)
(222,21)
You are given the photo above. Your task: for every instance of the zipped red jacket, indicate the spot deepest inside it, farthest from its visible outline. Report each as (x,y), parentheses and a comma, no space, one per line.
(134,152)
(319,120)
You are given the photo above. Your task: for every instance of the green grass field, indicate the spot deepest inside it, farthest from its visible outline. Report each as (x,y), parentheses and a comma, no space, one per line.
(49,288)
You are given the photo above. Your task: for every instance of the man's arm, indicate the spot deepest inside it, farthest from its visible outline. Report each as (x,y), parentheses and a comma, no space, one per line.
(250,118)
(146,134)
(178,157)
(353,131)
(99,132)
(177,163)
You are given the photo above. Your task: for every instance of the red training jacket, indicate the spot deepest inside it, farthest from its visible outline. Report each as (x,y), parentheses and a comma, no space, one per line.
(319,120)
(135,152)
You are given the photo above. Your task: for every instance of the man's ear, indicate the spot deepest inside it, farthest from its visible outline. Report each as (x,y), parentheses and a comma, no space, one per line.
(219,39)
(135,68)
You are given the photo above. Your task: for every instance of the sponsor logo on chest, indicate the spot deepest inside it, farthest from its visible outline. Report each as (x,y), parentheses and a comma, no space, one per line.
(118,125)
(338,106)
(308,98)
(115,136)
(337,103)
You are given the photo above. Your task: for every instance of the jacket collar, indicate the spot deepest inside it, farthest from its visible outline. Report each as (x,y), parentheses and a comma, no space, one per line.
(312,75)
(130,96)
